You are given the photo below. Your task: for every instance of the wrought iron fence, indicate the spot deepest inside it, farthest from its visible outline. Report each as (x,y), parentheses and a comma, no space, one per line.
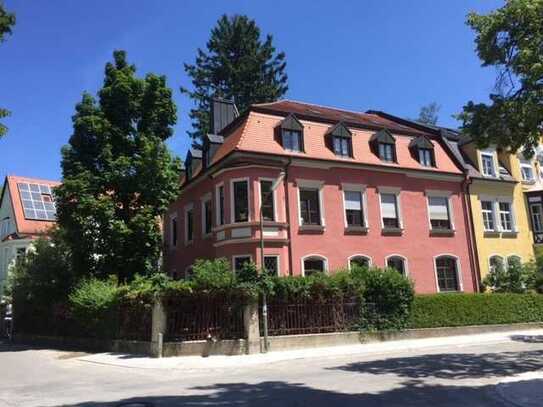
(200,319)
(287,318)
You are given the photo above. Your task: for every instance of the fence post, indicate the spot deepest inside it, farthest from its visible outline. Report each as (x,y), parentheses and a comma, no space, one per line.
(158,328)
(252,327)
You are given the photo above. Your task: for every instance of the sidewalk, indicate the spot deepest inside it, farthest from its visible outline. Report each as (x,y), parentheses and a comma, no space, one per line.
(381,348)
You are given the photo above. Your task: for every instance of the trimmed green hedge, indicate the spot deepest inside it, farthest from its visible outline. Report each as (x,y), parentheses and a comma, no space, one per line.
(446,310)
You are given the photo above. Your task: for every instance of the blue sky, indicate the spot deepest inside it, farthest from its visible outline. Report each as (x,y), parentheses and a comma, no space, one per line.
(390,55)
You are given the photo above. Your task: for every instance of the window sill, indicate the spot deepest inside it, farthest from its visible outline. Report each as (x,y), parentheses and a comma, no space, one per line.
(311,229)
(442,232)
(491,233)
(392,231)
(511,234)
(356,230)
(528,182)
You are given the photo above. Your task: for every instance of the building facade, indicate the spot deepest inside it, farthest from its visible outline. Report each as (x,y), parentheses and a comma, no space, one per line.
(351,188)
(27,211)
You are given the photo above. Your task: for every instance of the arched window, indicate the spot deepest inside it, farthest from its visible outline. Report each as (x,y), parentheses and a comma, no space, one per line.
(359,260)
(495,263)
(314,264)
(447,273)
(513,261)
(398,263)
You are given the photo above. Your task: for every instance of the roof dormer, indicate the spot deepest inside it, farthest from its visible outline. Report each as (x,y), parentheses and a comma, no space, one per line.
(383,144)
(290,134)
(339,140)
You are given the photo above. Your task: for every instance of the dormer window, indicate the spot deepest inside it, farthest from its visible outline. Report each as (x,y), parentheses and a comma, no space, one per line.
(384,145)
(339,138)
(527,172)
(425,157)
(487,165)
(422,150)
(291,134)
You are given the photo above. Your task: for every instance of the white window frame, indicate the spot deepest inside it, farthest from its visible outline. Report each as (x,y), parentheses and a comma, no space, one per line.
(278,257)
(492,155)
(237,256)
(274,196)
(172,217)
(317,256)
(354,256)
(493,211)
(530,205)
(497,255)
(188,208)
(345,187)
(526,164)
(458,272)
(506,260)
(218,204)
(311,184)
(405,262)
(512,210)
(300,140)
(440,194)
(203,200)
(233,199)
(396,191)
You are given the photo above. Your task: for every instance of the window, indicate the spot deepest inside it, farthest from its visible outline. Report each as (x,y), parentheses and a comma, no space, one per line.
(389,210)
(219,192)
(313,265)
(496,264)
(353,208)
(536,210)
(309,206)
(189,225)
(173,230)
(271,265)
(240,199)
(396,263)
(447,274)
(241,261)
(267,200)
(487,210)
(359,261)
(438,207)
(292,140)
(342,146)
(506,217)
(207,216)
(514,261)
(527,172)
(426,157)
(386,152)
(487,162)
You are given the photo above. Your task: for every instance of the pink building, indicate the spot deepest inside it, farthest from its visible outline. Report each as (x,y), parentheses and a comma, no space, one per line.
(353,188)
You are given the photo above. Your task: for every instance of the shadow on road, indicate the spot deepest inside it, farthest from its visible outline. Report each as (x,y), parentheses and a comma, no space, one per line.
(452,366)
(527,338)
(278,393)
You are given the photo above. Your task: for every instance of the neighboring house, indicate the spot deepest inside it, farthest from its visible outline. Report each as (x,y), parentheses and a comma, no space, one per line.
(27,211)
(357,188)
(531,174)
(496,184)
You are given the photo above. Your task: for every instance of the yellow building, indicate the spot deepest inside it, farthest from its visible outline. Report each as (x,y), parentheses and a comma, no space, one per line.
(500,215)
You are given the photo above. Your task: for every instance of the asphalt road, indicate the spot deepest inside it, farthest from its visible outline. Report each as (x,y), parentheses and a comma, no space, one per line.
(455,376)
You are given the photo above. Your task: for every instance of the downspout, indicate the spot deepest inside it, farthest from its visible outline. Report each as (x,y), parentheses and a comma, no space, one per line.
(289,226)
(472,243)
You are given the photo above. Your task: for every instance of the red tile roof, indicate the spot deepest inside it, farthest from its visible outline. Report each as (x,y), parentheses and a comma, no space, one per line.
(27,226)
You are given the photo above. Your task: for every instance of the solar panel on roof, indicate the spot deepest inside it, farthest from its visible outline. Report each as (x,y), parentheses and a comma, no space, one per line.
(37,200)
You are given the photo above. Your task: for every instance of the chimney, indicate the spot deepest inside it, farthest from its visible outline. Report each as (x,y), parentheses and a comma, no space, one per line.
(223,112)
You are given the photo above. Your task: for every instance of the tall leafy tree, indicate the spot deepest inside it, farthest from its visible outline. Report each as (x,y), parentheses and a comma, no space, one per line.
(118,174)
(7,21)
(511,40)
(429,114)
(237,65)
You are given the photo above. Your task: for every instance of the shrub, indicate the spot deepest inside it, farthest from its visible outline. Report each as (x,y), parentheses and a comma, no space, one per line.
(212,275)
(94,306)
(517,278)
(388,297)
(442,310)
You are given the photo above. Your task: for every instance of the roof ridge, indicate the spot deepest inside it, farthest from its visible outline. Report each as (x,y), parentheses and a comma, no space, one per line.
(313,104)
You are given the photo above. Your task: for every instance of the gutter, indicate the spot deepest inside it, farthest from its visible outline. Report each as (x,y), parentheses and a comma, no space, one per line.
(289,229)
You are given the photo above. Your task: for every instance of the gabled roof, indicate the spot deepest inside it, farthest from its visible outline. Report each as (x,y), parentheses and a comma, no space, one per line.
(421,142)
(11,191)
(339,130)
(383,136)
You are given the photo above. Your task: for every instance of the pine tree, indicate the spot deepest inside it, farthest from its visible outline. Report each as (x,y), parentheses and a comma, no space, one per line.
(118,175)
(237,65)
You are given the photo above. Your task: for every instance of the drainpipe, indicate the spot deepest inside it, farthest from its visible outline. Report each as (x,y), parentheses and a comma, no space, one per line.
(289,232)
(472,243)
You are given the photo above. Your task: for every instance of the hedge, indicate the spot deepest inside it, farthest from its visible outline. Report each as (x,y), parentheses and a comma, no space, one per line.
(447,310)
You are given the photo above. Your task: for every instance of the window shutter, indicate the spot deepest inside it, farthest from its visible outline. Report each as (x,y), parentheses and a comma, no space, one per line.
(438,208)
(388,206)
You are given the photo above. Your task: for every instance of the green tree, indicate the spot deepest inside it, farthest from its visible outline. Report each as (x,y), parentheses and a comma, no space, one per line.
(429,114)
(7,21)
(237,65)
(511,40)
(118,174)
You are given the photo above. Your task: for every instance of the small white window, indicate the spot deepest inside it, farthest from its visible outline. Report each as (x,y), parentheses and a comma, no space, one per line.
(292,140)
(496,263)
(487,162)
(359,261)
(536,210)
(447,273)
(487,209)
(440,217)
(354,214)
(314,265)
(527,172)
(397,263)
(390,213)
(240,200)
(271,265)
(506,216)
